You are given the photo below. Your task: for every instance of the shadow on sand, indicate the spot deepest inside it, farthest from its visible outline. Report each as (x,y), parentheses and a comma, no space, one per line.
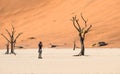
(80,55)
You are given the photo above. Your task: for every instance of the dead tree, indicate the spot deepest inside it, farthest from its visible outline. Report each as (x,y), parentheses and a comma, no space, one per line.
(12,39)
(82,32)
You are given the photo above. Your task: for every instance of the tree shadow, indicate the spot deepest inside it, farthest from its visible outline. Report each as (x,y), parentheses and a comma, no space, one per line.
(80,55)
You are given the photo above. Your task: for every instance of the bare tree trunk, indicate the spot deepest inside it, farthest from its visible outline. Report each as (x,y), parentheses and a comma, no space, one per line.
(82,52)
(12,47)
(74,46)
(82,48)
(7,47)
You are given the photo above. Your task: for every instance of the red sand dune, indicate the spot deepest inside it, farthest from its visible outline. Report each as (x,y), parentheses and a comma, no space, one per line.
(49,21)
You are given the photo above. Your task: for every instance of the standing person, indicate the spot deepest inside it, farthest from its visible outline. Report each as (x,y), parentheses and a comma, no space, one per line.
(40,50)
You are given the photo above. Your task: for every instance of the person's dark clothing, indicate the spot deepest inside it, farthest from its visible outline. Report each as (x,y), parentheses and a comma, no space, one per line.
(40,50)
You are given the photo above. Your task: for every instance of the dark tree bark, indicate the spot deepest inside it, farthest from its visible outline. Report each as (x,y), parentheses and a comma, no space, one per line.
(74,45)
(82,47)
(12,48)
(82,32)
(7,46)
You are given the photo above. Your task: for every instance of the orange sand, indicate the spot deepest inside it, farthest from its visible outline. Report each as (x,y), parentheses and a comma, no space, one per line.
(49,21)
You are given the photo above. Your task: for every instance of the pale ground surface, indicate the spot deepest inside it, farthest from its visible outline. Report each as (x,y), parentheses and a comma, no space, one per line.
(61,61)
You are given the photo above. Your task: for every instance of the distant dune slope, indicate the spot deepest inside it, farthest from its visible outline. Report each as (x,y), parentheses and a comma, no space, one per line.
(49,21)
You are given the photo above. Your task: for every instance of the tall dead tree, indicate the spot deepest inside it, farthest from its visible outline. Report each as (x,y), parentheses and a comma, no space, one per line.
(12,39)
(82,32)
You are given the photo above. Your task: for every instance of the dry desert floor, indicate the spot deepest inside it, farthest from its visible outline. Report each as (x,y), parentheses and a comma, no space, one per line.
(61,61)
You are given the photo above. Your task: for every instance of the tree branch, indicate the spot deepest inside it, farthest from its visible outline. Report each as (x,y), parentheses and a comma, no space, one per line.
(5,37)
(78,25)
(73,20)
(8,32)
(13,30)
(85,21)
(17,36)
(88,29)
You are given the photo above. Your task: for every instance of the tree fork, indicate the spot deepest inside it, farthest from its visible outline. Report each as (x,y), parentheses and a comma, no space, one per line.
(82,32)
